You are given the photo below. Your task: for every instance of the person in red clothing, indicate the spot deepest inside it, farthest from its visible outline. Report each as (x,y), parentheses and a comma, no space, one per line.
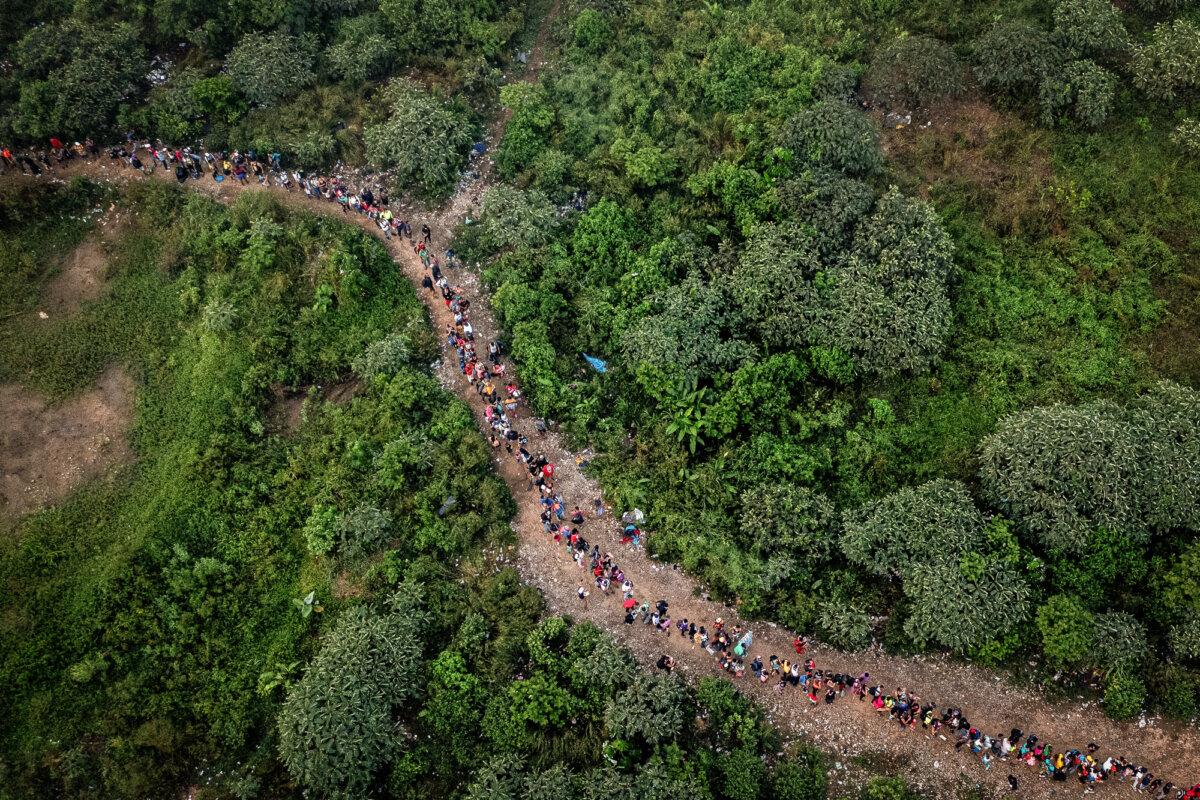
(55,143)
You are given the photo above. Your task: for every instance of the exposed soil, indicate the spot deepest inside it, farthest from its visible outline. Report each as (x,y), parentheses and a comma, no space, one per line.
(997,159)
(48,451)
(80,278)
(846,728)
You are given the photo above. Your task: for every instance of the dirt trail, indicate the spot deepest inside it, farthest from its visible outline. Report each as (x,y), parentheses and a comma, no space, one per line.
(846,728)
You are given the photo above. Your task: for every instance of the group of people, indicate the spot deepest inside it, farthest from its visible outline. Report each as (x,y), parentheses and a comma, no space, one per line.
(729,646)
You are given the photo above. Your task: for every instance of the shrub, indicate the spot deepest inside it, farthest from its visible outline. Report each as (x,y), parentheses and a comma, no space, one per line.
(1061,472)
(269,68)
(1085,87)
(1120,642)
(912,71)
(423,140)
(1124,695)
(843,624)
(385,357)
(73,76)
(335,727)
(800,777)
(649,711)
(1186,136)
(836,135)
(773,283)
(1014,56)
(1067,629)
(1089,27)
(1170,62)
(886,305)
(361,50)
(591,31)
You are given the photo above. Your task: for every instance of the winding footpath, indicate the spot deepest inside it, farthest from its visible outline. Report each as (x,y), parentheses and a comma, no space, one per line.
(859,739)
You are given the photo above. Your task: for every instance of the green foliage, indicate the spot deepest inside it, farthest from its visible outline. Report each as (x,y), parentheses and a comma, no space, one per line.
(1083,87)
(1186,136)
(423,139)
(527,132)
(1067,630)
(932,538)
(270,68)
(361,50)
(1089,27)
(649,711)
(913,70)
(800,777)
(834,135)
(1124,695)
(385,357)
(73,75)
(880,788)
(843,625)
(335,728)
(1064,471)
(1014,56)
(888,306)
(1120,643)
(1169,64)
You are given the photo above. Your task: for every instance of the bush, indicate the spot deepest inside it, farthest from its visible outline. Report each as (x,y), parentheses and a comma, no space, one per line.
(1067,629)
(886,305)
(1170,63)
(591,31)
(913,71)
(335,727)
(73,76)
(1124,695)
(1063,471)
(269,68)
(800,777)
(1186,136)
(1120,643)
(843,624)
(385,357)
(649,711)
(836,135)
(423,141)
(1014,56)
(361,50)
(1089,27)
(1083,86)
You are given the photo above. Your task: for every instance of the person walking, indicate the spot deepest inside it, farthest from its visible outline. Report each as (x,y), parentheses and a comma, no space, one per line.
(583,596)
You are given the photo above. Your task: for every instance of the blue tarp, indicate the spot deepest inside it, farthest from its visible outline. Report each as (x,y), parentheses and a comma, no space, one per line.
(597,364)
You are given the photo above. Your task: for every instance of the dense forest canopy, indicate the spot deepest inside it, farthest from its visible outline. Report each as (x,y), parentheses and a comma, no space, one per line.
(897,302)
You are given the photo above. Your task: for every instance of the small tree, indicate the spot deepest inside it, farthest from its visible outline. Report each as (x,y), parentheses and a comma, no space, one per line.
(834,134)
(1084,87)
(913,71)
(424,140)
(269,68)
(1124,695)
(1067,630)
(1186,136)
(651,710)
(335,727)
(1089,27)
(773,284)
(361,50)
(1014,56)
(1170,63)
(1120,642)
(886,305)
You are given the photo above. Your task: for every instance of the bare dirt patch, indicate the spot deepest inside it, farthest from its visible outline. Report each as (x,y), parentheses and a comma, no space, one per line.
(81,278)
(47,451)
(971,149)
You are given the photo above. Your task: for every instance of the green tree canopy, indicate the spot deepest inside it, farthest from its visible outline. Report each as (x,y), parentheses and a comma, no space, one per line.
(1061,471)
(423,141)
(73,76)
(336,726)
(269,68)
(836,135)
(913,70)
(1014,56)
